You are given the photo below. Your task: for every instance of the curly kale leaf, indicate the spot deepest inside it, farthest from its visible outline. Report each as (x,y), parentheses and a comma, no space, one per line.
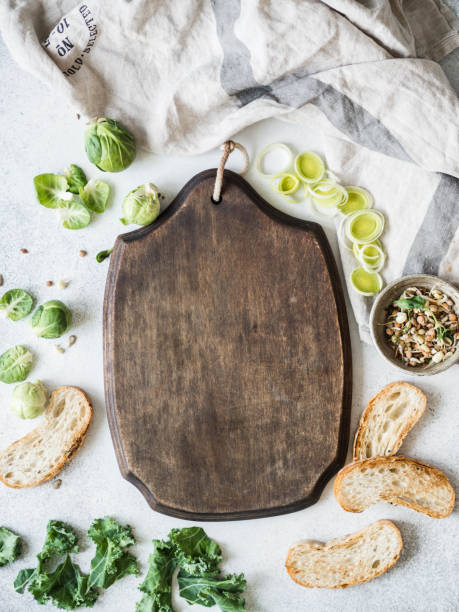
(10,546)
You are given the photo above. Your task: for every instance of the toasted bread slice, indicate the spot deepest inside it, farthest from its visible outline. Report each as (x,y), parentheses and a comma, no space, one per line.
(387,419)
(396,480)
(342,562)
(43,452)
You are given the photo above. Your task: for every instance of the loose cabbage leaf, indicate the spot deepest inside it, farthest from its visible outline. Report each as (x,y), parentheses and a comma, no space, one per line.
(95,195)
(198,557)
(15,364)
(76,178)
(50,189)
(16,304)
(10,546)
(111,562)
(74,214)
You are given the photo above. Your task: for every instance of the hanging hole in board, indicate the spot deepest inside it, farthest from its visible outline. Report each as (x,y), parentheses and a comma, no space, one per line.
(216,202)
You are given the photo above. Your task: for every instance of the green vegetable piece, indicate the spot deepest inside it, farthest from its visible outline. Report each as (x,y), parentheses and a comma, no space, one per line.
(15,364)
(157,585)
(51,319)
(198,558)
(60,539)
(109,145)
(76,178)
(74,214)
(409,303)
(51,189)
(16,304)
(141,205)
(111,562)
(95,195)
(102,255)
(10,546)
(29,400)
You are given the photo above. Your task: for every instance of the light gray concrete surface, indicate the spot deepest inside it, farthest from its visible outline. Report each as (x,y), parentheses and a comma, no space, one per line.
(40,134)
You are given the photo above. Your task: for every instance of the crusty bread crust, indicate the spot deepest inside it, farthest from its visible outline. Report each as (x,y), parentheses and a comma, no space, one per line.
(358,451)
(68,452)
(435,477)
(336,545)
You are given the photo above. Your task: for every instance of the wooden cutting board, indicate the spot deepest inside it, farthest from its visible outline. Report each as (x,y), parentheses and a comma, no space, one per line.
(227,357)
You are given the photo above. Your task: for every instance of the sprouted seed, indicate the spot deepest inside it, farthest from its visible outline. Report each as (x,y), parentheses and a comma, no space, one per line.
(63,284)
(422,326)
(72,340)
(59,349)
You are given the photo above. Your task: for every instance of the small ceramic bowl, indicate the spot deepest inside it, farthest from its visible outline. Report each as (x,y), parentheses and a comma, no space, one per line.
(379,313)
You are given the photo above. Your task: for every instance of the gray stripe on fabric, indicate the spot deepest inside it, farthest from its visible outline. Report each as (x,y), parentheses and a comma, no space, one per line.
(437,230)
(295,90)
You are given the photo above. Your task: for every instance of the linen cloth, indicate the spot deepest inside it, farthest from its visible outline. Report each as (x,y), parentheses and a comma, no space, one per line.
(186,75)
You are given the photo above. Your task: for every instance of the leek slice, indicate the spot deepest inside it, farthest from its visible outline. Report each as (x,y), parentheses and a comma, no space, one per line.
(309,167)
(371,263)
(261,155)
(286,184)
(366,283)
(328,193)
(364,226)
(369,254)
(358,199)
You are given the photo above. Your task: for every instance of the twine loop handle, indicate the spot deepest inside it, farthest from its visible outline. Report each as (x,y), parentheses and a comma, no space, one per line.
(227,147)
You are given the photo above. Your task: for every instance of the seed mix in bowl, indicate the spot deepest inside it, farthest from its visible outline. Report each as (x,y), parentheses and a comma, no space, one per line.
(422,326)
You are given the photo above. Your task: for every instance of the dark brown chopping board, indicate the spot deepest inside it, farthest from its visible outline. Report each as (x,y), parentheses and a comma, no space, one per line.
(227,357)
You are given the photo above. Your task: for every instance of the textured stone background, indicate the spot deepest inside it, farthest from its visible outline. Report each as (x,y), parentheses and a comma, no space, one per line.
(40,134)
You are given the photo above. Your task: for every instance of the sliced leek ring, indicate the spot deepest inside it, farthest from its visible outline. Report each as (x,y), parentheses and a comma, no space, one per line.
(286,183)
(328,193)
(369,253)
(366,283)
(364,226)
(309,166)
(373,263)
(358,199)
(261,155)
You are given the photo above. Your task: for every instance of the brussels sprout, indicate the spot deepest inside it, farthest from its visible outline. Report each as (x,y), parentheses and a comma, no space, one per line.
(29,400)
(16,304)
(76,178)
(51,319)
(15,364)
(109,145)
(141,205)
(51,189)
(102,255)
(74,214)
(95,195)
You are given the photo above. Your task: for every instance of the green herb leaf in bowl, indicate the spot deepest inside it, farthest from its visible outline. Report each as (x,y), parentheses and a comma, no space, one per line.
(16,304)
(15,364)
(411,303)
(95,195)
(74,214)
(10,546)
(51,189)
(51,319)
(76,178)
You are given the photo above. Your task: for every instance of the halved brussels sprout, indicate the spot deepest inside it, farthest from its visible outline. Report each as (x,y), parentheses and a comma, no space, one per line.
(109,145)
(141,205)
(16,304)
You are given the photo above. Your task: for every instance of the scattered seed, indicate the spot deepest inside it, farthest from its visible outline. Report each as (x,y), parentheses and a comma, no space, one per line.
(49,283)
(24,250)
(83,253)
(57,483)
(59,349)
(72,340)
(63,284)
(78,116)
(1,280)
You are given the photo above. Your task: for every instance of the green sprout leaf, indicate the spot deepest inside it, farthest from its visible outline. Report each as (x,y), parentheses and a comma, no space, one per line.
(109,145)
(15,364)
(10,546)
(51,319)
(76,178)
(102,255)
(51,189)
(16,304)
(410,303)
(74,214)
(95,195)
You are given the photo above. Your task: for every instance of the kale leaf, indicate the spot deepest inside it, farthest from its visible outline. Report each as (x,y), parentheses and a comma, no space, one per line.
(198,558)
(10,546)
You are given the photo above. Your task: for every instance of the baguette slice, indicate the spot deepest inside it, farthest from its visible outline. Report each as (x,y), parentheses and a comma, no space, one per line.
(396,480)
(352,559)
(387,419)
(43,452)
